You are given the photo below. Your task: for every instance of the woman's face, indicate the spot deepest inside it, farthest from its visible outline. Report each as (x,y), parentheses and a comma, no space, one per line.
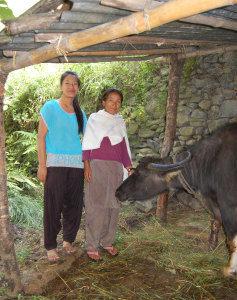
(113,103)
(69,86)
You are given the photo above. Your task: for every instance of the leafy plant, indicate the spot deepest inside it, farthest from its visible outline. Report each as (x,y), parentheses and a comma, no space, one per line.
(24,210)
(5,11)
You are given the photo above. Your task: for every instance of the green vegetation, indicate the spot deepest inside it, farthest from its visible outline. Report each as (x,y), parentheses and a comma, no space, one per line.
(5,11)
(189,66)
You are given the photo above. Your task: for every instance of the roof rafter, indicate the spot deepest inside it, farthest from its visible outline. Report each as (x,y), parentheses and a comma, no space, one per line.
(138,5)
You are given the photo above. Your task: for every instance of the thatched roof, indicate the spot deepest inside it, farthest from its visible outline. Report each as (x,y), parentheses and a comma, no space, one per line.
(49,21)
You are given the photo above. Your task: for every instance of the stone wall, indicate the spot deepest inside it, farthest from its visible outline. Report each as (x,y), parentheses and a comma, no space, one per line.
(208,99)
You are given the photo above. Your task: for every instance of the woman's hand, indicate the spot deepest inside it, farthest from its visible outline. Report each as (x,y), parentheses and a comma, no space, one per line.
(42,173)
(130,170)
(87,170)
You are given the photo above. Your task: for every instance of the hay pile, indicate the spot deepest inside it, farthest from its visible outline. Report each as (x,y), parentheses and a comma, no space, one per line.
(155,262)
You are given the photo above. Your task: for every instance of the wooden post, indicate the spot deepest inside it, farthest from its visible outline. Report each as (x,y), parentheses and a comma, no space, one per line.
(176,67)
(7,250)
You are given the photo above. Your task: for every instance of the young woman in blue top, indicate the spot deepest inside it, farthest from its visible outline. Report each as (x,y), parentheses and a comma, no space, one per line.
(62,122)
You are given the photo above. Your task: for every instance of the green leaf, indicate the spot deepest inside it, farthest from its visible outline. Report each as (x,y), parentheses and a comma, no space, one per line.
(6,13)
(3,2)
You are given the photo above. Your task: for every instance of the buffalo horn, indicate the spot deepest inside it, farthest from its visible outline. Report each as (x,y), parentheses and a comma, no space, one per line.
(170,166)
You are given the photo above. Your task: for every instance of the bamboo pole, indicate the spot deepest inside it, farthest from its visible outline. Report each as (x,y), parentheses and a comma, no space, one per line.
(133,24)
(49,37)
(138,5)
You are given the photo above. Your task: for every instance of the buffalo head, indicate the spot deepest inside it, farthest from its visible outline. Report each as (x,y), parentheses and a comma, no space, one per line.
(151,177)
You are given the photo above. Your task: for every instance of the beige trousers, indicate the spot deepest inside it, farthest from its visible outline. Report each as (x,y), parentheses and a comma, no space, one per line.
(101,205)
(101,227)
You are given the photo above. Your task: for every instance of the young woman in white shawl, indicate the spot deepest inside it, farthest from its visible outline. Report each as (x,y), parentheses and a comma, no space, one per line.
(106,153)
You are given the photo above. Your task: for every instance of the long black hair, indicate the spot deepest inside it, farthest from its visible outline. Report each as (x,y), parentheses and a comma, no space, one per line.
(76,105)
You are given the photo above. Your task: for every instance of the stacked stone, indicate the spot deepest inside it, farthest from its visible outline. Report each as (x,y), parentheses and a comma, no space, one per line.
(208,99)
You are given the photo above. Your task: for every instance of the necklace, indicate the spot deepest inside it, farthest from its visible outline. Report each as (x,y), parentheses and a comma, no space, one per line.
(66,107)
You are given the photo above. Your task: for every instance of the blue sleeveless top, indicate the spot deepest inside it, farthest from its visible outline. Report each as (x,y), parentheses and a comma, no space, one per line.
(63,144)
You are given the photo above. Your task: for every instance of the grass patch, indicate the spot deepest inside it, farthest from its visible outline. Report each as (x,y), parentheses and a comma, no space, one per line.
(154,262)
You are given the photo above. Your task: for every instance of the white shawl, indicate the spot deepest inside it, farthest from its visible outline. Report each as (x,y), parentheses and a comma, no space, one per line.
(102,124)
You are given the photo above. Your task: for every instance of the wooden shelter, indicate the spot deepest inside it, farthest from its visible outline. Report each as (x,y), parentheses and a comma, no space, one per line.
(78,31)
(107,30)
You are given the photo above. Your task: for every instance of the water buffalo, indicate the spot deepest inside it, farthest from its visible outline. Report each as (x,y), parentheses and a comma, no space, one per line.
(208,167)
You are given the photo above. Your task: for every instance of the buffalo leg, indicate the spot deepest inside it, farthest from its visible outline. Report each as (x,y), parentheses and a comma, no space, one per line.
(215,223)
(215,227)
(161,211)
(231,269)
(229,219)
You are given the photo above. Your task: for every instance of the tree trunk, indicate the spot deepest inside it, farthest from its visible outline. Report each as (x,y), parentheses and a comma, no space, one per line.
(170,127)
(7,251)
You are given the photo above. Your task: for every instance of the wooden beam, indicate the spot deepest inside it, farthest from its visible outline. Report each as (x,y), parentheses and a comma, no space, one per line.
(5,39)
(45,6)
(49,37)
(11,53)
(31,22)
(211,21)
(132,24)
(163,41)
(132,40)
(131,5)
(128,52)
(199,53)
(207,51)
(96,59)
(183,53)
(138,5)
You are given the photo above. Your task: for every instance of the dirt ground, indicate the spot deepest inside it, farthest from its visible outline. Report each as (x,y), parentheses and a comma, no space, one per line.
(147,266)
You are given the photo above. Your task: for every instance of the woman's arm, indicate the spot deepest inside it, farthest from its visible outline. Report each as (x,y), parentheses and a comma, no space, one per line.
(126,159)
(87,170)
(42,171)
